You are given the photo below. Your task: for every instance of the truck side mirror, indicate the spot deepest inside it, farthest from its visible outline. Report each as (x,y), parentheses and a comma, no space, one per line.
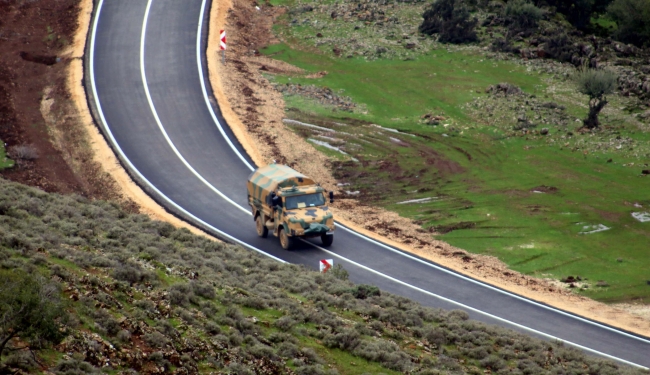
(331,197)
(275,201)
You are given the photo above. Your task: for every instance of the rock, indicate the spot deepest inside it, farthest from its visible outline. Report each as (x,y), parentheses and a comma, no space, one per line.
(544,131)
(410,45)
(504,88)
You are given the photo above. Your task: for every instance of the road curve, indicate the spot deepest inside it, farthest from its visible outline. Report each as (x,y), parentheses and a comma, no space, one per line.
(145,79)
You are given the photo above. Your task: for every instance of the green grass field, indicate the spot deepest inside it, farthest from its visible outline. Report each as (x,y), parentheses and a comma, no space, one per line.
(5,162)
(494,172)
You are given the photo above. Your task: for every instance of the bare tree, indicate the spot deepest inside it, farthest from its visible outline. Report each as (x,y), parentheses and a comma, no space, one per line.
(596,84)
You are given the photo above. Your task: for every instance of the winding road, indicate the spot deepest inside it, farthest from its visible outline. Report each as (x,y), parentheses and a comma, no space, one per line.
(146,80)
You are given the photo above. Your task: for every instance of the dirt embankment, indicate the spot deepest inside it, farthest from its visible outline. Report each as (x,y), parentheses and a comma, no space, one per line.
(255,111)
(43,108)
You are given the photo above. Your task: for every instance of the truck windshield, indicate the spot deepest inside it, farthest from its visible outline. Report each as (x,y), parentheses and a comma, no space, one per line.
(302,201)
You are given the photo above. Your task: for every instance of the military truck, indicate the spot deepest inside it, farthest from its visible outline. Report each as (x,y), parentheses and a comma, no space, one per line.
(290,205)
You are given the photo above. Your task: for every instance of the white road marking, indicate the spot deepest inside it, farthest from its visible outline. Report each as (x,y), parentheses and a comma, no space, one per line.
(132,167)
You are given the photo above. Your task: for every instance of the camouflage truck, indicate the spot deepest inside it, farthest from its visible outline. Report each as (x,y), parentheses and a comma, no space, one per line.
(290,205)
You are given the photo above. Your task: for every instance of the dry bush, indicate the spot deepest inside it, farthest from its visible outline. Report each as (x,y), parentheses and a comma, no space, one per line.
(155,339)
(23,152)
(179,294)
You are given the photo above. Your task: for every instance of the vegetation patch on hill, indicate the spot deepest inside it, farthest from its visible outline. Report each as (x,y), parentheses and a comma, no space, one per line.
(482,144)
(125,294)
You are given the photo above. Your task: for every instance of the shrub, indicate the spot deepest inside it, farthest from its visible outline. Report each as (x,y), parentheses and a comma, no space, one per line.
(235,338)
(288,350)
(522,14)
(348,339)
(261,351)
(74,366)
(339,272)
(179,294)
(124,336)
(157,357)
(145,304)
(155,339)
(254,302)
(577,12)
(204,290)
(458,315)
(449,19)
(106,321)
(20,360)
(212,328)
(237,368)
(285,323)
(493,362)
(559,46)
(131,273)
(363,291)
(436,336)
(23,152)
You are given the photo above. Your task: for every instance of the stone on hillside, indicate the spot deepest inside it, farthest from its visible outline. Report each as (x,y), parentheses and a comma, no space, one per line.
(504,88)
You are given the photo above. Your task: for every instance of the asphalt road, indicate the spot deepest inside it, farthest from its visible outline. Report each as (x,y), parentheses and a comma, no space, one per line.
(144,76)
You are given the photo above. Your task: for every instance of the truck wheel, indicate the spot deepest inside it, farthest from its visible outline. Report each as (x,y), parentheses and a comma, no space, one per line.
(285,240)
(327,239)
(262,230)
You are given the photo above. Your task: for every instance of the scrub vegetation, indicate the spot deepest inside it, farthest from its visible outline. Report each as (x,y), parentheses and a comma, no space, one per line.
(499,146)
(124,293)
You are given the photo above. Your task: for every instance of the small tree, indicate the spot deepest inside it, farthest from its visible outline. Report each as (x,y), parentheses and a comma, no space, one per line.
(596,84)
(30,309)
(633,20)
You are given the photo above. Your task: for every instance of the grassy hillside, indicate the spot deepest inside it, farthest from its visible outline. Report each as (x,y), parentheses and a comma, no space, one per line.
(143,296)
(488,146)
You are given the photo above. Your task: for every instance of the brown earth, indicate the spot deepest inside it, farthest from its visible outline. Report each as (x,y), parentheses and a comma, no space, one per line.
(44,106)
(36,106)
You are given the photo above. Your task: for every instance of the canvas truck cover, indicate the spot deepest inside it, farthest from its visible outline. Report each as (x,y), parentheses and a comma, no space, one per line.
(271,178)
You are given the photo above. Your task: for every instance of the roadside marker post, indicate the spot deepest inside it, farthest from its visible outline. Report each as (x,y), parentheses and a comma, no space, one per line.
(222,43)
(326,264)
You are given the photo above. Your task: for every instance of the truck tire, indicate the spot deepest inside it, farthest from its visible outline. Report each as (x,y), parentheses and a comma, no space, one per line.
(262,230)
(327,239)
(285,241)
